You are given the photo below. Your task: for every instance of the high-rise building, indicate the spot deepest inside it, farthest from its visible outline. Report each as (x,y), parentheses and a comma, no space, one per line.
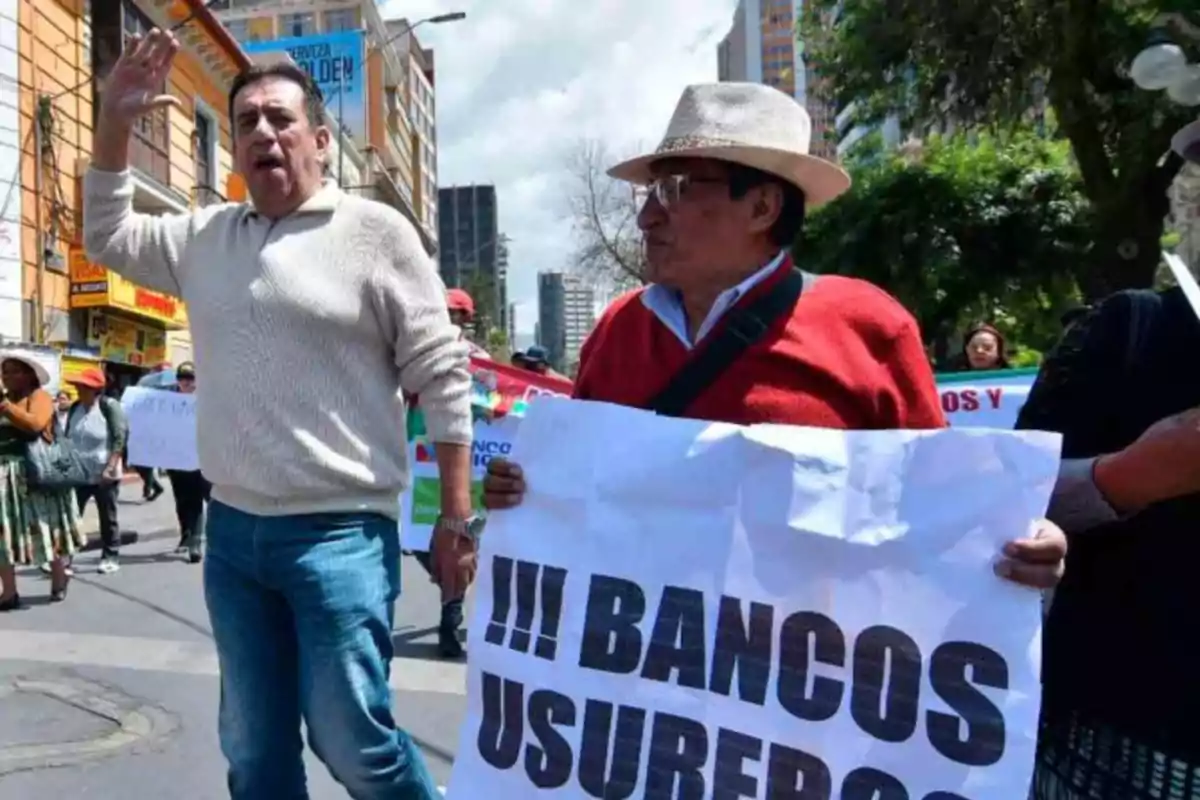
(473,254)
(566,315)
(378,84)
(762,47)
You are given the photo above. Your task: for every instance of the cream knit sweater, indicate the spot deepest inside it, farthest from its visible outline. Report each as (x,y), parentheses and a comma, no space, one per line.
(305,330)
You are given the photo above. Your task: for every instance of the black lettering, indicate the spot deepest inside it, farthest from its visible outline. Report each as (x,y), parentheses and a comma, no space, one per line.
(866,783)
(549,766)
(596,776)
(730,782)
(983,743)
(502,727)
(611,639)
(795,775)
(678,748)
(828,646)
(887,683)
(744,646)
(677,642)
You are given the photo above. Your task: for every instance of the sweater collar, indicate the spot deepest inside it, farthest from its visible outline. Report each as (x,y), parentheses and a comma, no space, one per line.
(667,304)
(323,201)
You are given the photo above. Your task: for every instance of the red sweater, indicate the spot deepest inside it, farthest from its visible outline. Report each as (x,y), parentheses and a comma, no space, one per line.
(849,357)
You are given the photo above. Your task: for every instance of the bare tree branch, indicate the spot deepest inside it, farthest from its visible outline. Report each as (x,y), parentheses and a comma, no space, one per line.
(603,216)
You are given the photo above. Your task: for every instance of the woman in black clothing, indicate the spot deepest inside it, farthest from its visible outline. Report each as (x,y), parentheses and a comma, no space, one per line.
(190,488)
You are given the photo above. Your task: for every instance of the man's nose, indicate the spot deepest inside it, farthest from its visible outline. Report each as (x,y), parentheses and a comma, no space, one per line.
(652,214)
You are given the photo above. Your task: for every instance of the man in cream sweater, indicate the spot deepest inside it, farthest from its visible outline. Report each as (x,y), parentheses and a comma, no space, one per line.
(312,312)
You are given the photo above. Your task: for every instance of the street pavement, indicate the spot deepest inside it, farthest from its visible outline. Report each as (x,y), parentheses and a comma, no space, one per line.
(113,693)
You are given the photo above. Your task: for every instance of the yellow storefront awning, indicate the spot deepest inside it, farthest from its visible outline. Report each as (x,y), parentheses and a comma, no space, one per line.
(95,286)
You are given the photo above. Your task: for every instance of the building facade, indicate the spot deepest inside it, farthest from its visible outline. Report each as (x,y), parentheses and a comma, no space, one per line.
(762,47)
(473,254)
(179,157)
(566,315)
(378,88)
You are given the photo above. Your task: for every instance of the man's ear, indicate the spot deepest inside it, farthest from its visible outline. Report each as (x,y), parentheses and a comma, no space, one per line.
(324,139)
(767,207)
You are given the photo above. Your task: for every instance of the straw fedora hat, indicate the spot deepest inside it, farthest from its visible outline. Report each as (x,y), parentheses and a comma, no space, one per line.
(744,123)
(1186,142)
(39,369)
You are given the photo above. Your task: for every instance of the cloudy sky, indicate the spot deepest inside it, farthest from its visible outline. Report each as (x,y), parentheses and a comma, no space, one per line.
(521,82)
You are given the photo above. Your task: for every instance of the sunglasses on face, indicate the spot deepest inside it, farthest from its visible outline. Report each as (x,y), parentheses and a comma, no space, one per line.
(669,190)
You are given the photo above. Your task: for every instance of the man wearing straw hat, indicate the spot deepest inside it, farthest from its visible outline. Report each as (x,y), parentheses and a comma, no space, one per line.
(729,330)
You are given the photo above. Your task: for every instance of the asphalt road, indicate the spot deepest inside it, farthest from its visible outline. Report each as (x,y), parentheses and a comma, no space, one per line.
(113,694)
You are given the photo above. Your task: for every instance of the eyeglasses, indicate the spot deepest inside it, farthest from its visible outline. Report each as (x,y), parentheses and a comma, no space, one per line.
(669,190)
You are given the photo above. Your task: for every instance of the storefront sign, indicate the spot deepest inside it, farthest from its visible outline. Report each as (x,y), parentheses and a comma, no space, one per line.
(89,282)
(94,286)
(125,341)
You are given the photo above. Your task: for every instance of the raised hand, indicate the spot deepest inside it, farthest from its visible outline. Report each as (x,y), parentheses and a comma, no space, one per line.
(132,88)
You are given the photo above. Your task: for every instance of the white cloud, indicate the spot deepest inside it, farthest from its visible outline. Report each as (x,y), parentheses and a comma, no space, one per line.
(520,82)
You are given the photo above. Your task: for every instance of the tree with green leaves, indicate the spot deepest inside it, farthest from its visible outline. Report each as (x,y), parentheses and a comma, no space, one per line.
(962,228)
(994,64)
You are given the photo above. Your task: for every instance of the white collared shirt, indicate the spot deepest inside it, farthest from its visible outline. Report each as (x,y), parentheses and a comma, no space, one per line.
(667,305)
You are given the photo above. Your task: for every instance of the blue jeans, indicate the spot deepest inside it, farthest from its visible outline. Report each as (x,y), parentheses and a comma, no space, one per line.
(301,611)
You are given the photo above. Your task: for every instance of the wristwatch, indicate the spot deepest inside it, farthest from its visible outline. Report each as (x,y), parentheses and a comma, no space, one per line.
(471,527)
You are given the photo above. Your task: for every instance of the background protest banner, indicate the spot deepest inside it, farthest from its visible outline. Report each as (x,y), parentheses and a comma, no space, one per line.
(162,428)
(688,610)
(985,399)
(499,396)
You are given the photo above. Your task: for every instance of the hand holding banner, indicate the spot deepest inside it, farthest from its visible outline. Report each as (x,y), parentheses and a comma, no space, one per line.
(690,610)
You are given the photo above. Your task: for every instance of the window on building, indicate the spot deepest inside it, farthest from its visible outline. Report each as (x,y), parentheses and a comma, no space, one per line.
(301,24)
(113,24)
(204,145)
(239,28)
(341,19)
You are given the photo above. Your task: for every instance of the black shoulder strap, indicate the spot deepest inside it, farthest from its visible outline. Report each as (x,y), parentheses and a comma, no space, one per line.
(746,326)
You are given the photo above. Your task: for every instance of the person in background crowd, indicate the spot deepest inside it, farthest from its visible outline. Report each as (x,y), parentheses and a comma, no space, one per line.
(455,573)
(1120,699)
(98,430)
(726,195)
(314,313)
(62,406)
(462,314)
(37,526)
(190,489)
(535,359)
(983,349)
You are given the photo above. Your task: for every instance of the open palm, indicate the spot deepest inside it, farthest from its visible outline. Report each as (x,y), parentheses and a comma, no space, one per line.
(133,87)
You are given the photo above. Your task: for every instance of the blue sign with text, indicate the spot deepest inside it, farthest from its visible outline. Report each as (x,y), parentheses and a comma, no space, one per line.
(337,62)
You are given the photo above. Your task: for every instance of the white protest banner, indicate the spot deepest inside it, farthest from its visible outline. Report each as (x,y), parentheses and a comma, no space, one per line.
(162,428)
(421,503)
(985,399)
(684,610)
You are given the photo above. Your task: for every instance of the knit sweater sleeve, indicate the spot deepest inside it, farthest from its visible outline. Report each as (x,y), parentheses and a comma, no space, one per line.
(432,357)
(145,248)
(914,399)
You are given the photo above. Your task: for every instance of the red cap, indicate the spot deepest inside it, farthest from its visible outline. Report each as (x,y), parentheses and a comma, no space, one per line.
(91,378)
(458,300)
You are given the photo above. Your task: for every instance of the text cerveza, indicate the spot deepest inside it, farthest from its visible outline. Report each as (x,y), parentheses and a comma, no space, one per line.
(883,672)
